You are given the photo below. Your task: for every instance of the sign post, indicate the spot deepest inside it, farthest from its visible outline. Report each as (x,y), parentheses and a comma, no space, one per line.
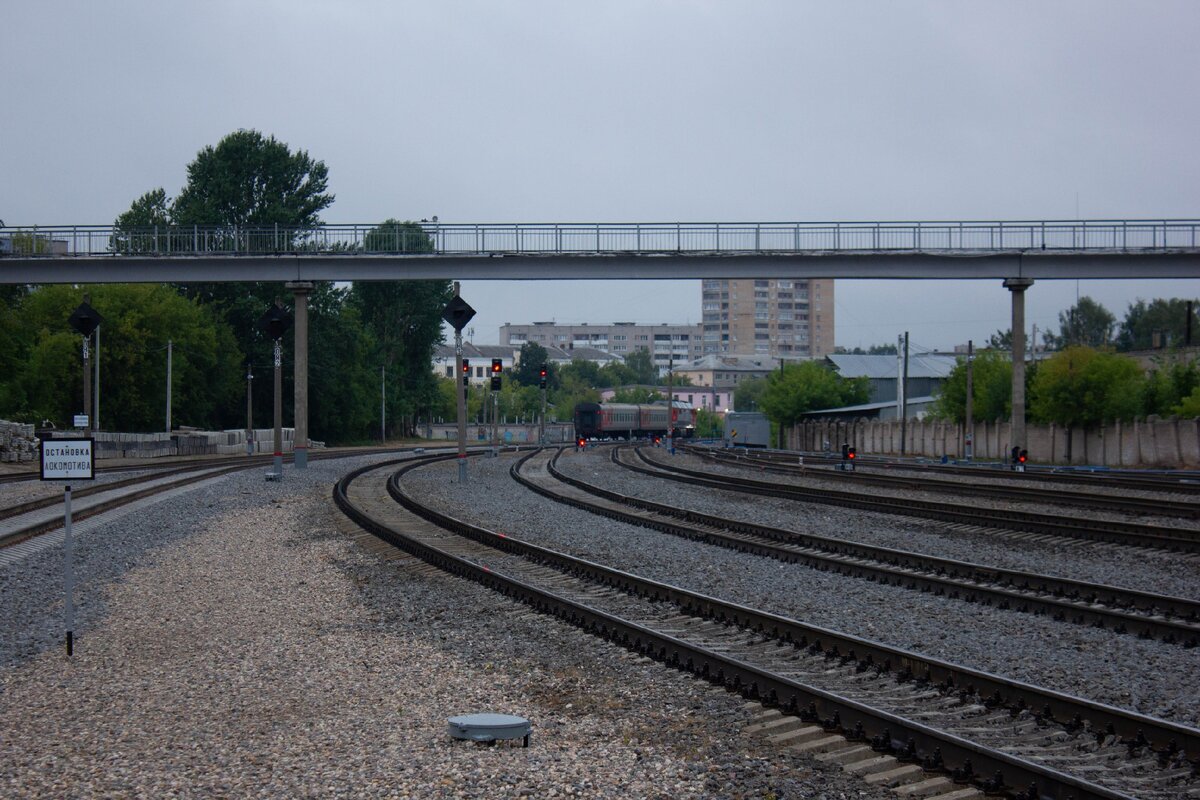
(67,460)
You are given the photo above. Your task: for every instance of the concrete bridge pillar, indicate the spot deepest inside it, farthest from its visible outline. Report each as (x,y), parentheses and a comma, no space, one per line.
(1018,286)
(300,290)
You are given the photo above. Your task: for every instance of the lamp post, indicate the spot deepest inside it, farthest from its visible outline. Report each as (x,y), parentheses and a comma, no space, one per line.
(274,323)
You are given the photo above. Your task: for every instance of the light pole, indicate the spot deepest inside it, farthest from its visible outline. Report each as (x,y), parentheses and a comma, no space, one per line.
(249,408)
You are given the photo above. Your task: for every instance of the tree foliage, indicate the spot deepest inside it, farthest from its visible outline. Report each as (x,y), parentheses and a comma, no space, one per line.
(1163,320)
(747,396)
(1084,387)
(809,386)
(637,395)
(991,383)
(532,359)
(641,367)
(1087,323)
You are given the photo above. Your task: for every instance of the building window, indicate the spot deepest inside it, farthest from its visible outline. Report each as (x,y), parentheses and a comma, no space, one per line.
(449,372)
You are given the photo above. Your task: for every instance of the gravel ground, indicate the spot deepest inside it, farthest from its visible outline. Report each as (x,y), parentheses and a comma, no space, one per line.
(1145,570)
(233,642)
(1145,676)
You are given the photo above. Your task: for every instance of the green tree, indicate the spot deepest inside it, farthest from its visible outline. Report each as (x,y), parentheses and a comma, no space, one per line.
(581,373)
(1168,385)
(1189,407)
(206,369)
(709,424)
(1087,323)
(1001,340)
(405,320)
(991,382)
(1168,319)
(808,386)
(1085,387)
(251,179)
(641,365)
(748,394)
(532,359)
(637,396)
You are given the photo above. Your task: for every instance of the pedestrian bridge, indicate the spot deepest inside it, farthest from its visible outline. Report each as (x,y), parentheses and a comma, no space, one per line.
(1022,249)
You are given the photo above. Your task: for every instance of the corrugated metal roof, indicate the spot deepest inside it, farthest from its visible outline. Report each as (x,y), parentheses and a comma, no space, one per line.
(928,365)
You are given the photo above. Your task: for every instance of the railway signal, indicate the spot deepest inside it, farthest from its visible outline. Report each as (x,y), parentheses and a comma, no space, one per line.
(1019,457)
(497,371)
(542,378)
(848,456)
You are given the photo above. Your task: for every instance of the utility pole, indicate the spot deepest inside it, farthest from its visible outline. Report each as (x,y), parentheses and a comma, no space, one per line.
(383,403)
(969,444)
(780,442)
(670,401)
(169,345)
(96,386)
(249,408)
(1187,329)
(902,393)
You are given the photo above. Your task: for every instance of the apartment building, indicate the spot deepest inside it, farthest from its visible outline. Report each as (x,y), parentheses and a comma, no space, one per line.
(771,318)
(666,343)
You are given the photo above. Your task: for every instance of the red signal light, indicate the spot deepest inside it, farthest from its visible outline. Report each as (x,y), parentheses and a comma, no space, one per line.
(850,453)
(497,366)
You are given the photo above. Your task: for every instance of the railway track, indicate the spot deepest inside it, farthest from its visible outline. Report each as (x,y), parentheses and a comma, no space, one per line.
(32,518)
(937,727)
(1175,620)
(1153,506)
(1179,481)
(1075,527)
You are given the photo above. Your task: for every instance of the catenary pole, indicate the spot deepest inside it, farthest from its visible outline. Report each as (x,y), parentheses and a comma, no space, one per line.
(169,350)
(969,443)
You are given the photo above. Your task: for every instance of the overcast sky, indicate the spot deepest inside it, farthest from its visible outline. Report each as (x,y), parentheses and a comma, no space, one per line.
(642,111)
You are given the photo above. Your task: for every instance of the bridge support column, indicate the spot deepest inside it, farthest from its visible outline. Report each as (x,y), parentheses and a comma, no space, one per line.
(1018,286)
(300,290)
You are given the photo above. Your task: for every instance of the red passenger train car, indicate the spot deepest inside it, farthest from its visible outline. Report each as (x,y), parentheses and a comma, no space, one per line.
(627,421)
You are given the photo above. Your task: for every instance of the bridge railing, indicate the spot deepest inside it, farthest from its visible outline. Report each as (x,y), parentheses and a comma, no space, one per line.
(973,237)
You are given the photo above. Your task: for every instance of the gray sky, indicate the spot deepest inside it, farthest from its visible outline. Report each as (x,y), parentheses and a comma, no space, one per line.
(643,111)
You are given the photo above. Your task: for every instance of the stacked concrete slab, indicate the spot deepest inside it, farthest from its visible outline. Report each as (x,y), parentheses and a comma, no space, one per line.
(17,443)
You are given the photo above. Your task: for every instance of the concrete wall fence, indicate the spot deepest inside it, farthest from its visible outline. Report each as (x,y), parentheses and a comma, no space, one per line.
(1159,443)
(183,443)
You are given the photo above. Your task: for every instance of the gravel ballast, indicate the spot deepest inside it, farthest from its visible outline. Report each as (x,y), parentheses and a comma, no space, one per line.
(236,642)
(1148,677)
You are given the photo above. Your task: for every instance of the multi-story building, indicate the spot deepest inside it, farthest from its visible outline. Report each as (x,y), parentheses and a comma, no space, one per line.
(666,343)
(772,318)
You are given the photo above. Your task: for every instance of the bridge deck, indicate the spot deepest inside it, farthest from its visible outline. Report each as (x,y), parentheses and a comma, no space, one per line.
(1041,249)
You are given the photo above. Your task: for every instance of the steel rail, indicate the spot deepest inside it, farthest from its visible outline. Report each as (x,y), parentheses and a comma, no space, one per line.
(1126,533)
(911,740)
(1142,505)
(1061,598)
(1182,481)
